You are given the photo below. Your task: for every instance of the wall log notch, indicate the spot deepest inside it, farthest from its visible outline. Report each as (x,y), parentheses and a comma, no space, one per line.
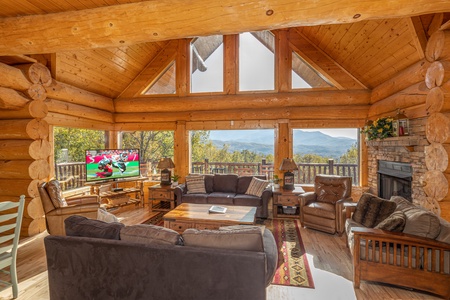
(33,109)
(24,169)
(23,129)
(10,99)
(436,157)
(438,100)
(36,73)
(437,73)
(438,46)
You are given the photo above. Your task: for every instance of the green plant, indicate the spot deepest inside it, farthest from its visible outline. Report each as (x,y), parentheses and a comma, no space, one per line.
(379,129)
(275,179)
(175,177)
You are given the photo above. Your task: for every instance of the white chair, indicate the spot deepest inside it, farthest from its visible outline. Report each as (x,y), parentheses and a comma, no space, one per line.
(10,222)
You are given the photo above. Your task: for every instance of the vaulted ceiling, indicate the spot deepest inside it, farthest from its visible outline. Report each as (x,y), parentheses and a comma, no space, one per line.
(370,51)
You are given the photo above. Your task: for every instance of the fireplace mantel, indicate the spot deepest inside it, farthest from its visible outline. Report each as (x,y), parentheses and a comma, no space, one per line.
(407,142)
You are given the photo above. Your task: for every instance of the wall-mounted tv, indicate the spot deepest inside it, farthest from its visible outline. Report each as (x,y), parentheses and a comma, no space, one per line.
(112,164)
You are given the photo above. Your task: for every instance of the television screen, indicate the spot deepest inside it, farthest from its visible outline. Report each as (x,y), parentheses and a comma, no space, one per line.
(112,164)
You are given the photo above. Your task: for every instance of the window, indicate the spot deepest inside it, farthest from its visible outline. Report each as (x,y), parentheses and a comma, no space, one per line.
(70,145)
(165,83)
(256,61)
(243,152)
(326,151)
(207,64)
(152,145)
(304,76)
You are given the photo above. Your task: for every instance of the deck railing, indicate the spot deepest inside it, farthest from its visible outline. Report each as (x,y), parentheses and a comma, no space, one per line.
(73,175)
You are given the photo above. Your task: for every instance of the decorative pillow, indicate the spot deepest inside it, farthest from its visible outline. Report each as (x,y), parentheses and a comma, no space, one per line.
(421,222)
(81,226)
(53,189)
(195,184)
(242,239)
(105,216)
(150,234)
(395,222)
(256,187)
(371,210)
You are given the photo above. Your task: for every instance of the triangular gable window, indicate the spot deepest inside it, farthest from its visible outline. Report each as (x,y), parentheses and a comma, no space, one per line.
(165,83)
(304,76)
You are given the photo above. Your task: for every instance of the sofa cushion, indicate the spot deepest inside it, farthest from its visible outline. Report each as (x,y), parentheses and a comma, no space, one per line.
(395,222)
(150,234)
(247,200)
(81,226)
(195,184)
(221,198)
(53,189)
(195,198)
(242,239)
(401,202)
(421,222)
(444,234)
(225,183)
(209,183)
(244,182)
(371,210)
(256,187)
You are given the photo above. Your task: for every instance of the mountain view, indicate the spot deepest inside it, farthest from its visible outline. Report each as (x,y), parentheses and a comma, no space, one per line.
(261,141)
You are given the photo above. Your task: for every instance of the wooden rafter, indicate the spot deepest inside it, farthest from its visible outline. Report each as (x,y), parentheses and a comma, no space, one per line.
(127,24)
(418,35)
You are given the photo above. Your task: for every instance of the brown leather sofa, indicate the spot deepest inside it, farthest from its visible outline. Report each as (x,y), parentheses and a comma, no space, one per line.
(323,209)
(57,209)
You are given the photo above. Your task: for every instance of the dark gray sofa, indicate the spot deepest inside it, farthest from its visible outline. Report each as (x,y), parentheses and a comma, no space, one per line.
(101,268)
(227,189)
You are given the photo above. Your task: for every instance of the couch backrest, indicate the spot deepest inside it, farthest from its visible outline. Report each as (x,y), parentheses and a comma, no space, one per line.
(225,183)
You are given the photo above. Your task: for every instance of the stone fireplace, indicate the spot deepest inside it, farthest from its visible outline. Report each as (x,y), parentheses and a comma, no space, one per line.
(403,161)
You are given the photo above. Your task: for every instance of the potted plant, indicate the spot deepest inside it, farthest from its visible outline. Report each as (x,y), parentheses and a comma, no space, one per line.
(175,178)
(276,182)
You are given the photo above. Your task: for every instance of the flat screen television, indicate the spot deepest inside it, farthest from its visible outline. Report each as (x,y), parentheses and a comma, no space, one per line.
(112,164)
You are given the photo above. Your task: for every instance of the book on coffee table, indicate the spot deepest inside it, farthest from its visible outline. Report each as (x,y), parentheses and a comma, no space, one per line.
(217,209)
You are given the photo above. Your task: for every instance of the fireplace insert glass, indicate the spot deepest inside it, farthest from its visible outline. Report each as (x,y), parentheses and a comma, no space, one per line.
(394,179)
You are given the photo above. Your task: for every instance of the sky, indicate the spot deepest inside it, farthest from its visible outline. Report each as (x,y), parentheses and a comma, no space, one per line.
(337,132)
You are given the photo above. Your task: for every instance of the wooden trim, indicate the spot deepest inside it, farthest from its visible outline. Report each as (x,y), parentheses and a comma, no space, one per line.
(418,35)
(230,62)
(116,25)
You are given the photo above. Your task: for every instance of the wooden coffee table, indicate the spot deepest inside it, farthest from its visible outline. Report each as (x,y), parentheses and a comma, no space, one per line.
(189,215)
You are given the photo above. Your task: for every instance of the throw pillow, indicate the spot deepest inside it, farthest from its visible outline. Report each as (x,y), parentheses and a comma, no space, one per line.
(395,222)
(244,239)
(421,222)
(81,226)
(195,184)
(53,189)
(150,234)
(256,187)
(105,216)
(371,210)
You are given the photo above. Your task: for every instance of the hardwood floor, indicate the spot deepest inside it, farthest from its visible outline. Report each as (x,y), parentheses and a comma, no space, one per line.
(328,256)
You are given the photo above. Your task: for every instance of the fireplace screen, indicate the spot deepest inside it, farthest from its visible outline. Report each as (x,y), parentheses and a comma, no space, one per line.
(394,179)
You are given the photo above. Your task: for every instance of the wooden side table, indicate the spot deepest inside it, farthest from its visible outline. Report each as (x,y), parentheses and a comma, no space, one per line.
(286,198)
(161,197)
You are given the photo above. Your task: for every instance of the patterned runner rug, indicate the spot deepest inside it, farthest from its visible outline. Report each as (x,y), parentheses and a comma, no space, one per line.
(156,220)
(293,268)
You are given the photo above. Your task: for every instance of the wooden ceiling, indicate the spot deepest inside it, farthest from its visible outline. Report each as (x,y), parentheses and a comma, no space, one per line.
(371,50)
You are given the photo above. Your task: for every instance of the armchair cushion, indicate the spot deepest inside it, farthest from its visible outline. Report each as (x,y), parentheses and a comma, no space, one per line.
(320,209)
(256,187)
(195,184)
(53,189)
(331,188)
(371,210)
(81,226)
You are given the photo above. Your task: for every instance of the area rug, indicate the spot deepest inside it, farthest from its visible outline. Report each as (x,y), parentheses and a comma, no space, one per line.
(293,268)
(156,219)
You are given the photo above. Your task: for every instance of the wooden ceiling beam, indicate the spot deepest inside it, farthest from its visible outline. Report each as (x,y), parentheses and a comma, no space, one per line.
(418,35)
(149,21)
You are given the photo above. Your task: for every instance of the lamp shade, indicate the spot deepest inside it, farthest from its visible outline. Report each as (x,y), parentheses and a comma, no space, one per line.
(166,163)
(288,164)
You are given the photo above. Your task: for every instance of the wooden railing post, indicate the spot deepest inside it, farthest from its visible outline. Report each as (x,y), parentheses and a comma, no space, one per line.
(331,166)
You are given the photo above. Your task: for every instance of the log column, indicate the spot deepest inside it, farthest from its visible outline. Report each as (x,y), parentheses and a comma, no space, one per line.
(437,79)
(24,139)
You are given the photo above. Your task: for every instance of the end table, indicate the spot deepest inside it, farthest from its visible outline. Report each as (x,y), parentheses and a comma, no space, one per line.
(161,197)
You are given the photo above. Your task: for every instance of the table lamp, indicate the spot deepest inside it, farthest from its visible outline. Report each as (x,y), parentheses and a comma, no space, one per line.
(288,165)
(165,164)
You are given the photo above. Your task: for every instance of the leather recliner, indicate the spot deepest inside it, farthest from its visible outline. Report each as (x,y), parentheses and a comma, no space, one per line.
(57,209)
(323,209)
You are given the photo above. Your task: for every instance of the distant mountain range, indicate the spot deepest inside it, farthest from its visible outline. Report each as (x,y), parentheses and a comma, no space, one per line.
(261,141)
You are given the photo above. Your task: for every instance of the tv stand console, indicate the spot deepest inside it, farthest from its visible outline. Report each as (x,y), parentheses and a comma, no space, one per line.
(119,193)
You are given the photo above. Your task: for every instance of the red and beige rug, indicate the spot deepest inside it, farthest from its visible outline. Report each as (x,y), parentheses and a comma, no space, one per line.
(293,268)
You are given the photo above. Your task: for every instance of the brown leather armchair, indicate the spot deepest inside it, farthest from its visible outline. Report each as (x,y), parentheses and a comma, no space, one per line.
(323,209)
(57,209)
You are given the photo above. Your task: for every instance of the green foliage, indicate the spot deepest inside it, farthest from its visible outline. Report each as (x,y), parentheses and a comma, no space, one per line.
(310,158)
(77,141)
(152,145)
(351,156)
(379,129)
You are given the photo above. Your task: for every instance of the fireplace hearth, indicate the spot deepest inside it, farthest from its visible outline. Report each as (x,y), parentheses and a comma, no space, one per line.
(394,179)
